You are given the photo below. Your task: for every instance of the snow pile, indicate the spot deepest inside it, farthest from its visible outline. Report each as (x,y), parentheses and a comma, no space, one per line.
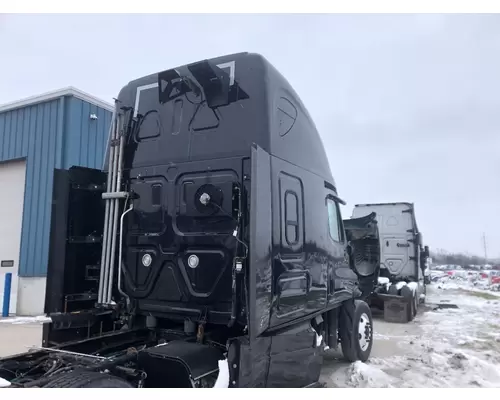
(25,320)
(413,286)
(223,377)
(367,375)
(382,280)
(4,383)
(400,285)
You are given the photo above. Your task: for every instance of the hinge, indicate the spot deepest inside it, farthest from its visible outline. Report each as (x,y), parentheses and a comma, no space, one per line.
(85,239)
(115,195)
(90,187)
(92,272)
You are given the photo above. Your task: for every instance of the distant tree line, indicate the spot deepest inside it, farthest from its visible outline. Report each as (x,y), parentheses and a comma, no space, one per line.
(445,258)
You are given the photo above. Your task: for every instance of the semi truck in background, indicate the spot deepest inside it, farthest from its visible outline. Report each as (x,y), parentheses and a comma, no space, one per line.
(399,282)
(209,253)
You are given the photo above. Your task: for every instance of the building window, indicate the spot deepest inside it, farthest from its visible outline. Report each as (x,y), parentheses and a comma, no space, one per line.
(334,224)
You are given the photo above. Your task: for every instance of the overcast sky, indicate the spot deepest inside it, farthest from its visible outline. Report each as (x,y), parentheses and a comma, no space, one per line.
(408,106)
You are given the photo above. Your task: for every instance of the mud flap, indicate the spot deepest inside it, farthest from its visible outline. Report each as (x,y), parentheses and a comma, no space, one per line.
(346,316)
(179,364)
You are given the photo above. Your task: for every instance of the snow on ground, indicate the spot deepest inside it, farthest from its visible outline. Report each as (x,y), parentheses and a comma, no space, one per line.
(25,320)
(449,347)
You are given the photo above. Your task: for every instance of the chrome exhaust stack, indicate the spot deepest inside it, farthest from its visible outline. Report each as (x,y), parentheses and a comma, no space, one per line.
(112,137)
(111,214)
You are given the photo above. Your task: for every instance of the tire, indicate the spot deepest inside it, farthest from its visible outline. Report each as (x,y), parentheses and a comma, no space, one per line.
(409,297)
(393,290)
(356,316)
(415,304)
(87,379)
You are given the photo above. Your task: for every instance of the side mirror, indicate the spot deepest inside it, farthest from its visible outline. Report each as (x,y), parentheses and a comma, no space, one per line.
(419,240)
(348,253)
(348,249)
(427,253)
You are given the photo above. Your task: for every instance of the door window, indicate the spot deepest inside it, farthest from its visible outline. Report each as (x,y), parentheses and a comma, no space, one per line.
(334,223)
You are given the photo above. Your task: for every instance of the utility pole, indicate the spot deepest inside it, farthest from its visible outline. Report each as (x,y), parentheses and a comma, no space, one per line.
(485,249)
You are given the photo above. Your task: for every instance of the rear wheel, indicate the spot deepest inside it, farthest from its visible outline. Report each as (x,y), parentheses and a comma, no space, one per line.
(414,305)
(422,300)
(410,299)
(356,330)
(87,379)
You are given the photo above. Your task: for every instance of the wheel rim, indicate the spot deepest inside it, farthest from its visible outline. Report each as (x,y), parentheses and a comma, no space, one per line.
(364,332)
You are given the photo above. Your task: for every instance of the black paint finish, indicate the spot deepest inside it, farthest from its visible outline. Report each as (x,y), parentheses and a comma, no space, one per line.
(254,149)
(288,359)
(192,143)
(269,114)
(75,242)
(185,361)
(258,137)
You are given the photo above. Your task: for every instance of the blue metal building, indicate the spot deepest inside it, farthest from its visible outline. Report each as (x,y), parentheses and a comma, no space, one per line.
(55,130)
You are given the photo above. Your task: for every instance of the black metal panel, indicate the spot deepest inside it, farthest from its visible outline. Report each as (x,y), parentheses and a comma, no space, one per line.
(75,239)
(169,223)
(185,362)
(288,359)
(57,249)
(260,274)
(364,252)
(251,361)
(307,276)
(198,118)
(295,358)
(180,139)
(189,129)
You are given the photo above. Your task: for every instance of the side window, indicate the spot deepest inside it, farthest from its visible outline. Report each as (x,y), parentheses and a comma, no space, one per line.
(291,218)
(334,223)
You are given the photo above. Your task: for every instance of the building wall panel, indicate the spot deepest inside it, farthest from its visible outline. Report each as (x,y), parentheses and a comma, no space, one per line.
(54,134)
(86,137)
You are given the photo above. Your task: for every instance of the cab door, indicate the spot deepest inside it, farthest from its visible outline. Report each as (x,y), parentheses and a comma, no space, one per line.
(260,265)
(342,279)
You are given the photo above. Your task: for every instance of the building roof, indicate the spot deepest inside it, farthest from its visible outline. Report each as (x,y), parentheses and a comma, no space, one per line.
(68,91)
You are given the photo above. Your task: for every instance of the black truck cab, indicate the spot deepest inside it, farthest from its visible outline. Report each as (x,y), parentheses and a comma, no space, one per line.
(222,230)
(183,148)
